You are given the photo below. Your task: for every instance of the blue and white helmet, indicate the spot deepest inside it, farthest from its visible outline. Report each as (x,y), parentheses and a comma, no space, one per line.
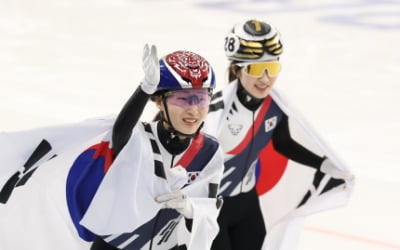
(253,41)
(185,70)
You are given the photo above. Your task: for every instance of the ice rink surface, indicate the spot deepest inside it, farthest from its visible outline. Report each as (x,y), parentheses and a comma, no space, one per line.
(63,61)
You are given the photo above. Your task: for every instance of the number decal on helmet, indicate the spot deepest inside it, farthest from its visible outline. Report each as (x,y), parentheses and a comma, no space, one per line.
(231,45)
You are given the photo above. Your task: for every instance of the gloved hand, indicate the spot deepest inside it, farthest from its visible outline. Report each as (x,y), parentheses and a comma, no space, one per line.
(328,168)
(151,69)
(177,177)
(178,201)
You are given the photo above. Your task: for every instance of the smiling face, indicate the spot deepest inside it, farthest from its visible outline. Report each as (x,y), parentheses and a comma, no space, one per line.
(258,86)
(187,109)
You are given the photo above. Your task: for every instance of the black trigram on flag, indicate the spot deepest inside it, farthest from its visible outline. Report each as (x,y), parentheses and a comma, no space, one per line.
(22,176)
(320,188)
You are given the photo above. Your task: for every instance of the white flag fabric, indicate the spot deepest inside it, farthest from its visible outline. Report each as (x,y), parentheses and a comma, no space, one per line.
(125,198)
(60,187)
(33,209)
(310,192)
(288,191)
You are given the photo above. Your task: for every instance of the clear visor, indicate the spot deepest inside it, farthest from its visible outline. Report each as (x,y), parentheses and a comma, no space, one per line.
(189,97)
(272,68)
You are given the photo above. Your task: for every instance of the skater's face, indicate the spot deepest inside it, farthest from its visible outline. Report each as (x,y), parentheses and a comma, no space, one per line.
(259,78)
(187,109)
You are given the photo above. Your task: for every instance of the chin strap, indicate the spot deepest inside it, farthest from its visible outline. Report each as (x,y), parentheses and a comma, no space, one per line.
(165,118)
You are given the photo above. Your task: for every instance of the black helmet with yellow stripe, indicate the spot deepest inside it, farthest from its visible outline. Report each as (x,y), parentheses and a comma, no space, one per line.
(253,41)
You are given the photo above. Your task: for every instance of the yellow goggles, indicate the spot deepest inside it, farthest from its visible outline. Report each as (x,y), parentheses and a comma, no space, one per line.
(258,69)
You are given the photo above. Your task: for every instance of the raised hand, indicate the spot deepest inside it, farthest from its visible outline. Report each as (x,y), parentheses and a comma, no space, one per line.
(151,69)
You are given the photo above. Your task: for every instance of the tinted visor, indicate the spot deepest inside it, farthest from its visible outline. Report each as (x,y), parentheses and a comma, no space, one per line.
(258,69)
(187,98)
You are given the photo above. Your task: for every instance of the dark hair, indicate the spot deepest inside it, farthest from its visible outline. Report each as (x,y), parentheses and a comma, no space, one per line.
(232,71)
